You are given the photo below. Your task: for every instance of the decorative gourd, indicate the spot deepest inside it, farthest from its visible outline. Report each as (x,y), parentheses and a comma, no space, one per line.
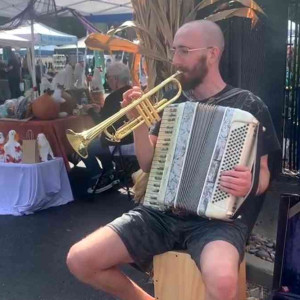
(45,108)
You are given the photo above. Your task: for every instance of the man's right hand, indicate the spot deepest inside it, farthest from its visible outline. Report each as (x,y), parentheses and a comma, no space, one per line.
(128,97)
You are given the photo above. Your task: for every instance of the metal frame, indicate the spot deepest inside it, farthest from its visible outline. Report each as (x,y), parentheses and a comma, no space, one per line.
(291,108)
(13,7)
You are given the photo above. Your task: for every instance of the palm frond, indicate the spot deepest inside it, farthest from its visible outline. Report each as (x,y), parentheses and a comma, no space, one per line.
(156,22)
(251,4)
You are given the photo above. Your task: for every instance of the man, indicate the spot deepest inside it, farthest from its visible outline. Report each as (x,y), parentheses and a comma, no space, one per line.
(119,81)
(13,74)
(216,246)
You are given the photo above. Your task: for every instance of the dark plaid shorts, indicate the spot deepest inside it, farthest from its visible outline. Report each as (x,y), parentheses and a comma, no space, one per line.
(147,232)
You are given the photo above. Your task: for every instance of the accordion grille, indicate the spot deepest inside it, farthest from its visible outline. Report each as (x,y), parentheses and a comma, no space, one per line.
(232,156)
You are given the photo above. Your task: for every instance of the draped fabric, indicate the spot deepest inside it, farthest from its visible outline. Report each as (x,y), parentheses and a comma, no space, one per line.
(26,188)
(33,10)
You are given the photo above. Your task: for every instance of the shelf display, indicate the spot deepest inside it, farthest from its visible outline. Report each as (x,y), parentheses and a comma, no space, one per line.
(59,62)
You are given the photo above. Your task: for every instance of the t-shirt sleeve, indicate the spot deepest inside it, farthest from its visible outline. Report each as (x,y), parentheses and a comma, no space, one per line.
(268,138)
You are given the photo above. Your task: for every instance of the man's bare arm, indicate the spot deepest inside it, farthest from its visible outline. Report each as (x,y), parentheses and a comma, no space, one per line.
(238,181)
(264,175)
(144,147)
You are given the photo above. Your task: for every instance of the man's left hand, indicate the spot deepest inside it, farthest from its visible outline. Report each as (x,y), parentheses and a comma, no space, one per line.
(236,182)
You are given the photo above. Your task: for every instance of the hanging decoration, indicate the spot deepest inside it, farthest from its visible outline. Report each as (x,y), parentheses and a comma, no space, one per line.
(34,10)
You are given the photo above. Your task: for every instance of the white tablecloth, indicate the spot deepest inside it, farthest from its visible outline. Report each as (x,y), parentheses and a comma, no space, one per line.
(25,188)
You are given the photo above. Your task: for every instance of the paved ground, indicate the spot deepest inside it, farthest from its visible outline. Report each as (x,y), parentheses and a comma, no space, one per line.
(33,250)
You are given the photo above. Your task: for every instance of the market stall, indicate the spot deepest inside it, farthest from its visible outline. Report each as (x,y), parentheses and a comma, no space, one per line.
(7,39)
(41,35)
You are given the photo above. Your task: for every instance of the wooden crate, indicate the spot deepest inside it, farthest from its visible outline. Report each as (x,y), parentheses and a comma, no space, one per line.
(176,277)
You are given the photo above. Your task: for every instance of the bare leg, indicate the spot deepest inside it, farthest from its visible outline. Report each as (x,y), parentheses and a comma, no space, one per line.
(219,267)
(95,259)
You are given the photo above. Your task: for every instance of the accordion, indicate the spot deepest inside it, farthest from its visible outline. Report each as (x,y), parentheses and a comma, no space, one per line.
(196,143)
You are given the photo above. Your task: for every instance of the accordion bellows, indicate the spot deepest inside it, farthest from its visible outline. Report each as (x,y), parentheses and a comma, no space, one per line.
(196,142)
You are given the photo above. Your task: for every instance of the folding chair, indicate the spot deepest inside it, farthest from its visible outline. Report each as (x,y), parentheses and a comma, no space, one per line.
(118,154)
(122,172)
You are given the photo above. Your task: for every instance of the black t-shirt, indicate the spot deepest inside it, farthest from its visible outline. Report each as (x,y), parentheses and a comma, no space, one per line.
(267,140)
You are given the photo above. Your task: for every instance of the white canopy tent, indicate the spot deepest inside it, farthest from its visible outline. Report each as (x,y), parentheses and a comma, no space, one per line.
(44,35)
(7,39)
(86,7)
(80,44)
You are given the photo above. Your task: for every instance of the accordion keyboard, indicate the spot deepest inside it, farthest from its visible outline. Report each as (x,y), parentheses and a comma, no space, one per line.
(166,132)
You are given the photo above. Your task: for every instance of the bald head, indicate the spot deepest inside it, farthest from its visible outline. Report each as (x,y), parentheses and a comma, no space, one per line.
(205,33)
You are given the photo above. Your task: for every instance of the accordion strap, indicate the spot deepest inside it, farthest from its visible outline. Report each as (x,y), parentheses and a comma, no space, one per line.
(229,94)
(255,166)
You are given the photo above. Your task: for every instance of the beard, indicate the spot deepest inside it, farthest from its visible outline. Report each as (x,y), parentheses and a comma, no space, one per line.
(194,76)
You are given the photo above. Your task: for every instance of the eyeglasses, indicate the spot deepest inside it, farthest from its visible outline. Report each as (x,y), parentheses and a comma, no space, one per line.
(184,51)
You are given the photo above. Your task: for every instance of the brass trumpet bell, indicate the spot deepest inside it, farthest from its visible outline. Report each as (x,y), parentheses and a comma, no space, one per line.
(77,141)
(148,114)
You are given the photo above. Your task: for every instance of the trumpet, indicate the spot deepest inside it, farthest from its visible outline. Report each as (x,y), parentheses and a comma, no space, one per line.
(148,114)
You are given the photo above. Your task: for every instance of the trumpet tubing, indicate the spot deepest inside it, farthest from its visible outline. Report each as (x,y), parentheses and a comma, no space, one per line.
(148,114)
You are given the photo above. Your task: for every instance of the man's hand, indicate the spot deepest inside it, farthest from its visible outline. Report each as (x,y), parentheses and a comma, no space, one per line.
(128,97)
(236,182)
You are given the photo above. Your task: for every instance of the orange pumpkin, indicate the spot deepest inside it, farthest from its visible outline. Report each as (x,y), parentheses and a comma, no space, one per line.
(45,108)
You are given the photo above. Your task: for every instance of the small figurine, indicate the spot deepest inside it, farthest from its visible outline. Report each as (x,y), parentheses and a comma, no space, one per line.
(69,80)
(12,149)
(79,76)
(45,85)
(2,141)
(45,150)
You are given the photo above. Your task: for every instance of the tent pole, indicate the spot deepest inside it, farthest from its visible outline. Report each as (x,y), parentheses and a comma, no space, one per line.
(33,61)
(85,53)
(77,58)
(40,65)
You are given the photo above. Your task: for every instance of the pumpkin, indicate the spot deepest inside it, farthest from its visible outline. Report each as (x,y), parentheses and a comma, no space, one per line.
(45,108)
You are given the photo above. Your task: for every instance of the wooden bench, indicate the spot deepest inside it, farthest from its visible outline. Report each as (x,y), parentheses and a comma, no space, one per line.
(176,277)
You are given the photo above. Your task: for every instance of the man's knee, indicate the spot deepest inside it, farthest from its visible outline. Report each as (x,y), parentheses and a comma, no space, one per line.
(101,250)
(219,266)
(221,283)
(79,263)
(225,286)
